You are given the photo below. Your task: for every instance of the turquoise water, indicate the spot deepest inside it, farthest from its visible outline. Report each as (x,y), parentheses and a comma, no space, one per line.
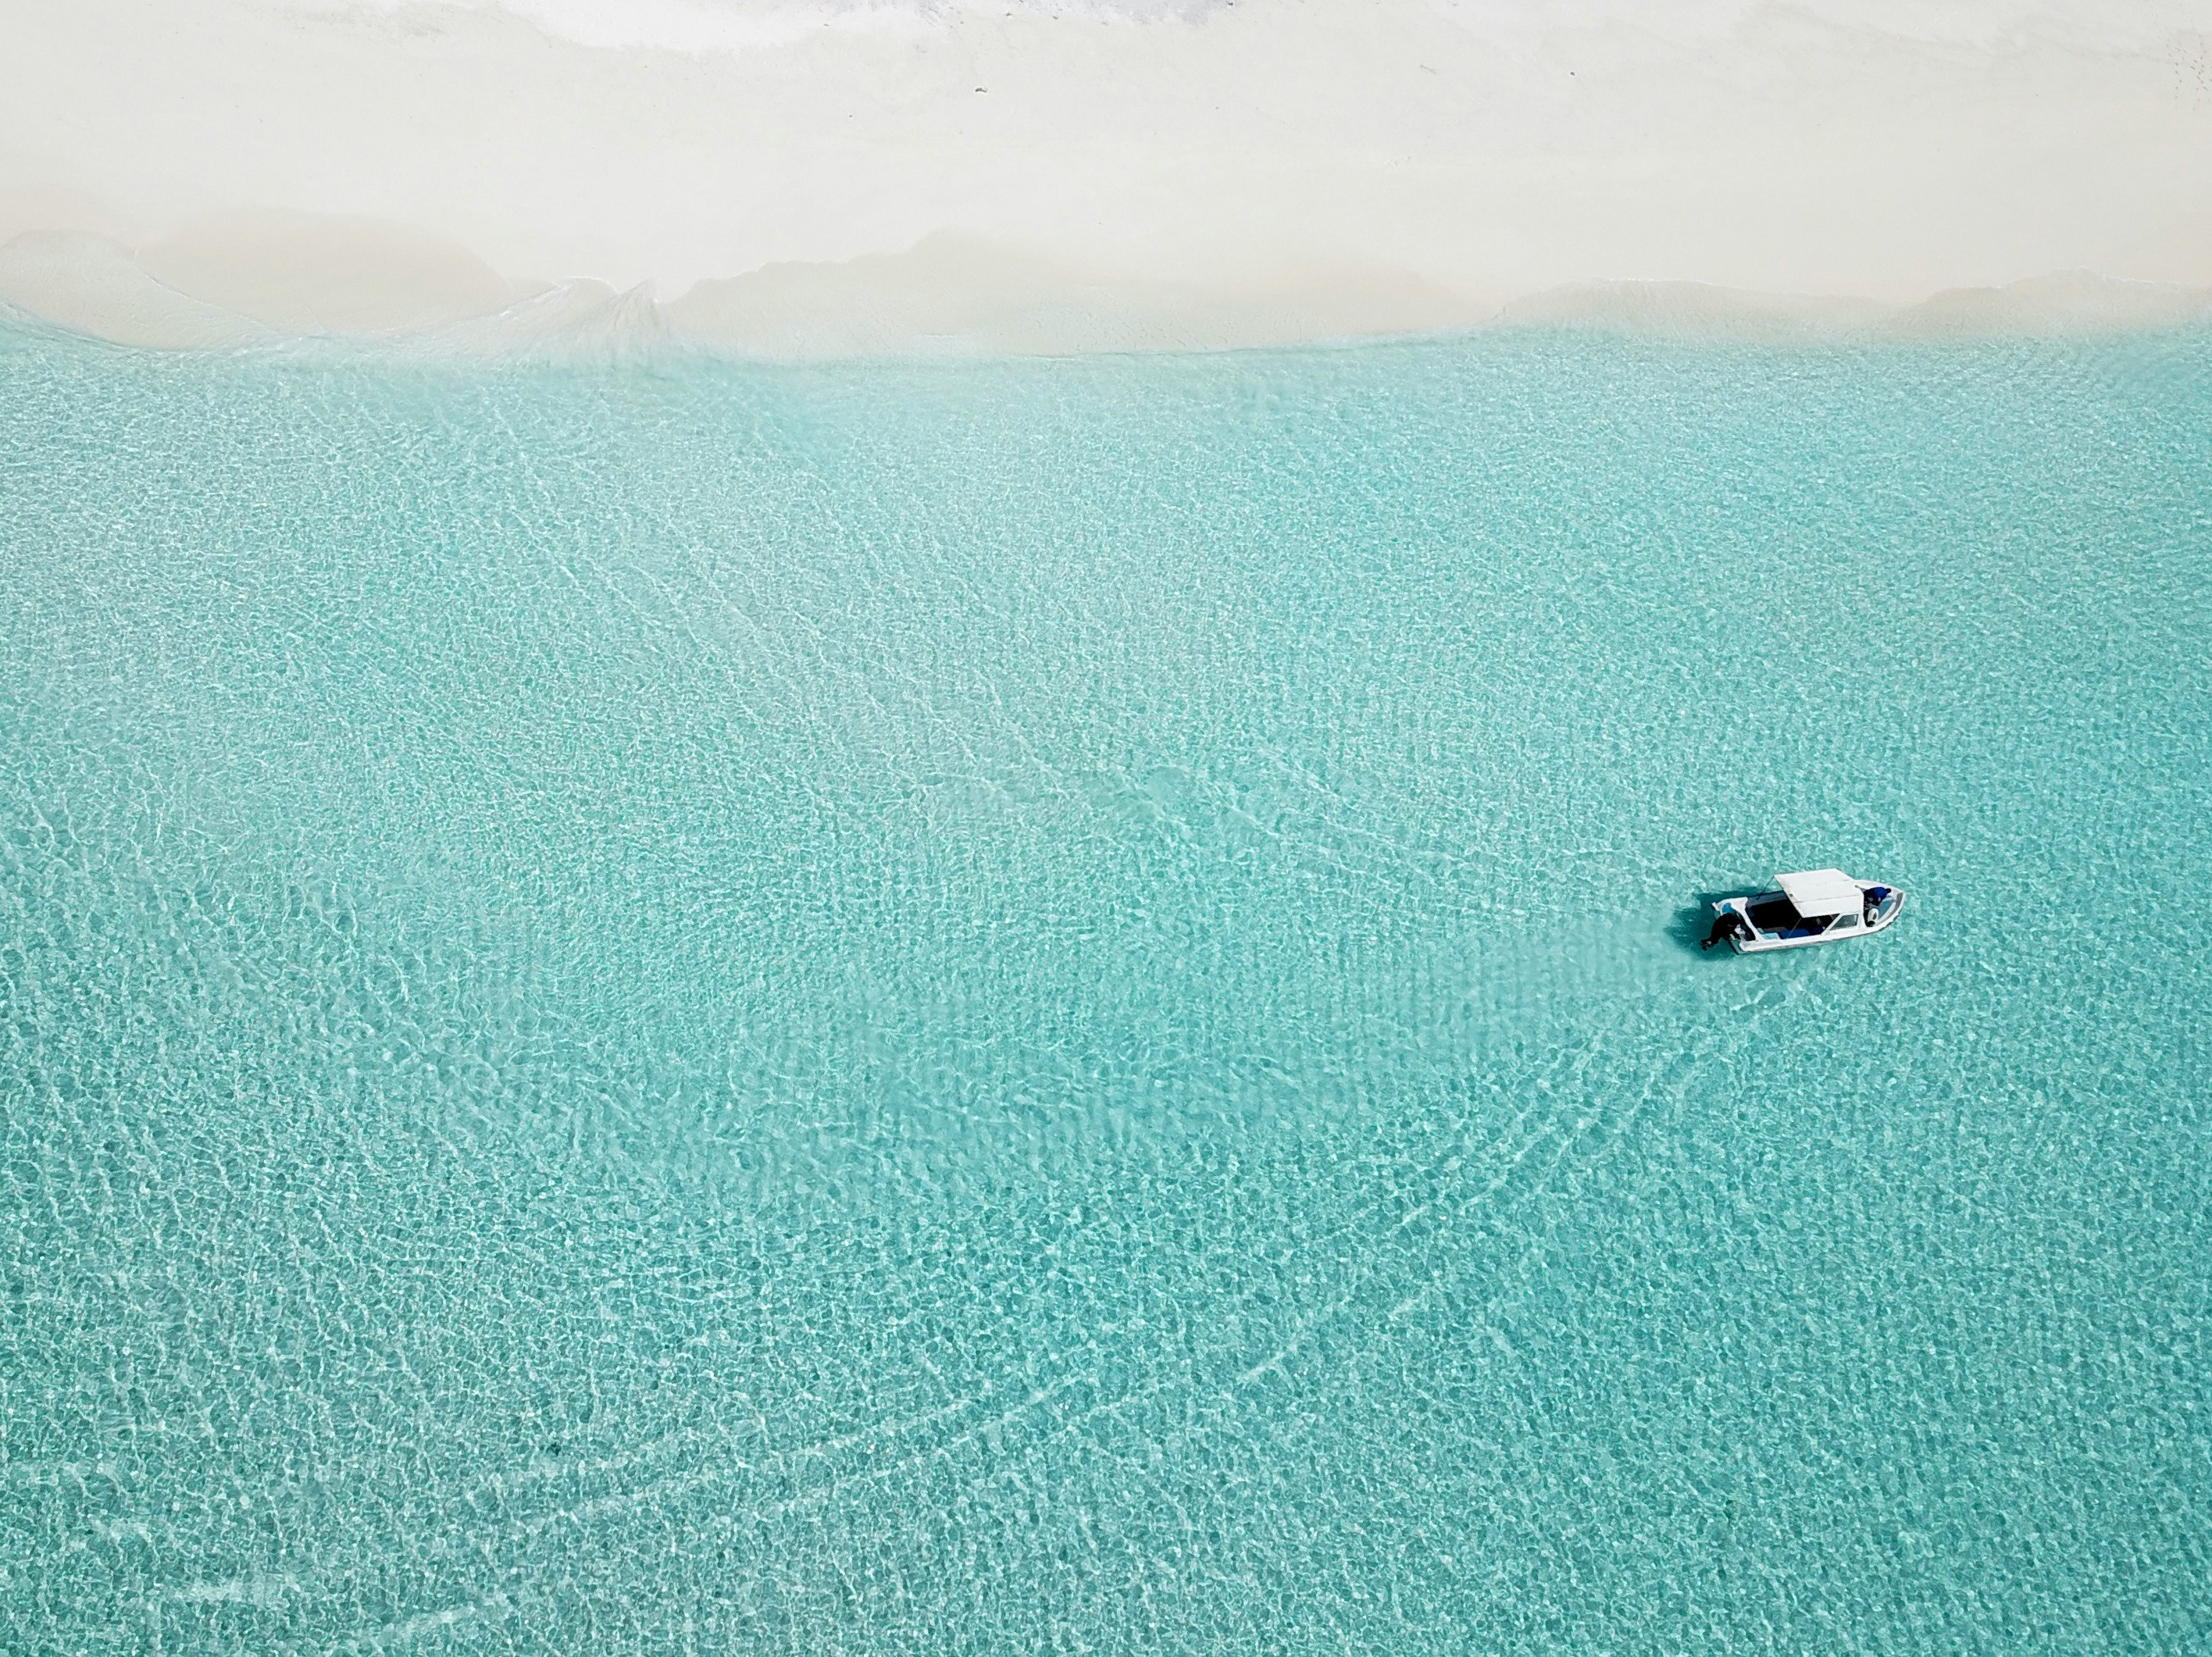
(1053,1006)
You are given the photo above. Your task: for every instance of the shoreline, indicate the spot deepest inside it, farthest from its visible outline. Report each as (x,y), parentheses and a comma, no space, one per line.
(804,179)
(949,297)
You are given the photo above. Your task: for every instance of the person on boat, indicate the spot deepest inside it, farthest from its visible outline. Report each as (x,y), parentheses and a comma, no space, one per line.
(1730,925)
(1875,894)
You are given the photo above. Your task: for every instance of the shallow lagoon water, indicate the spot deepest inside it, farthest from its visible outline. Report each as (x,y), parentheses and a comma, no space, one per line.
(1053,1005)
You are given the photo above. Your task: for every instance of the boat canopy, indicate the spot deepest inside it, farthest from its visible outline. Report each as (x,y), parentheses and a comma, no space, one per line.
(1819,892)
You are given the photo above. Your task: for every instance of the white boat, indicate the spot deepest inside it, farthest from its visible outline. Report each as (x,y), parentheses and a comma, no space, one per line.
(1821,906)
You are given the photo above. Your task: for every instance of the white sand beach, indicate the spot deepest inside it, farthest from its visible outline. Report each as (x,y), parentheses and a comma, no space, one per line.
(833,179)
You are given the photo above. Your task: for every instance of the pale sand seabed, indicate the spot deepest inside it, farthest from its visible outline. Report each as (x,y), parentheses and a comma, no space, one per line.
(799,180)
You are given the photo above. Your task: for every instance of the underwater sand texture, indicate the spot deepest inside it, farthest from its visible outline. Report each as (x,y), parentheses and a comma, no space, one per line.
(1053,1005)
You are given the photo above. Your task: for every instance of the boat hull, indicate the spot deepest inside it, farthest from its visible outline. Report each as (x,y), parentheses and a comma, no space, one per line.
(1760,942)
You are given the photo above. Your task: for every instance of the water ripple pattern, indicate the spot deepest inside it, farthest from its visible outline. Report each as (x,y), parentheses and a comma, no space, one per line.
(1053,1006)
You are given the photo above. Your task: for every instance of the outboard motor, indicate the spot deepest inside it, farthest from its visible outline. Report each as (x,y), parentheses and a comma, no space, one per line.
(1729,925)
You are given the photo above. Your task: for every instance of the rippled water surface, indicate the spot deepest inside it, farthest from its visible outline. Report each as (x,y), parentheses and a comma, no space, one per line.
(1054,1006)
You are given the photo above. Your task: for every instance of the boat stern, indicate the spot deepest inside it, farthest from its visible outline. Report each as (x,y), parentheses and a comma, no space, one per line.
(1731,926)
